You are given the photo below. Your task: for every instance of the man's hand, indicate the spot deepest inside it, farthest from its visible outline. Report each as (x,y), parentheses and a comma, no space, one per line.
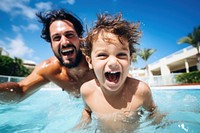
(10,92)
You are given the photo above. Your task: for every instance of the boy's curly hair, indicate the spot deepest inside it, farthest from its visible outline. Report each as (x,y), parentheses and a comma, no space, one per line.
(114,24)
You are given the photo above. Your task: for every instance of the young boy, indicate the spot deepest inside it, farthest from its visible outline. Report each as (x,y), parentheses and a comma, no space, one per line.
(113,96)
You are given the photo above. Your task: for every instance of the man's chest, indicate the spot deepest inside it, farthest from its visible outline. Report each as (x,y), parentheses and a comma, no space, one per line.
(71,83)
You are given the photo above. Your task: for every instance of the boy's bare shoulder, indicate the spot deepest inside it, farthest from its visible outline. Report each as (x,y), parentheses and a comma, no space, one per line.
(143,84)
(88,87)
(139,85)
(144,89)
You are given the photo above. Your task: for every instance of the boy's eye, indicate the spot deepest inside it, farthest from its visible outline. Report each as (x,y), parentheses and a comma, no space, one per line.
(101,55)
(122,55)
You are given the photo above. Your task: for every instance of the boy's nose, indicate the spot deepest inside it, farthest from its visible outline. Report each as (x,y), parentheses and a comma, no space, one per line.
(113,63)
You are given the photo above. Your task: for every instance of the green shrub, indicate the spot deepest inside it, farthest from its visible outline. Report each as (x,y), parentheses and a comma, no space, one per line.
(192,77)
(12,67)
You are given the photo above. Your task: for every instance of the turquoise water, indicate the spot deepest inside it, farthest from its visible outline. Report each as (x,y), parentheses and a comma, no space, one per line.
(56,111)
(182,108)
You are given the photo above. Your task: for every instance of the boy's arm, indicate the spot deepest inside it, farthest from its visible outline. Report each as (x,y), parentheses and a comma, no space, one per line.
(85,118)
(84,121)
(150,106)
(148,102)
(157,116)
(87,112)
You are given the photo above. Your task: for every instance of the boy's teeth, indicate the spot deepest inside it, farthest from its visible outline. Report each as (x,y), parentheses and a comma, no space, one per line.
(112,76)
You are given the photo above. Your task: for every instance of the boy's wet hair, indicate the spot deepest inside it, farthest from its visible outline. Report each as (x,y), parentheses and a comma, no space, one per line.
(49,17)
(113,24)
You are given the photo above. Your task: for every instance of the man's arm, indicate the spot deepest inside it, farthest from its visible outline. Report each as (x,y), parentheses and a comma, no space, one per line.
(11,92)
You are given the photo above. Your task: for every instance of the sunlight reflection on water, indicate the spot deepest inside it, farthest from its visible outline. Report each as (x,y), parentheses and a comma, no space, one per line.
(55,111)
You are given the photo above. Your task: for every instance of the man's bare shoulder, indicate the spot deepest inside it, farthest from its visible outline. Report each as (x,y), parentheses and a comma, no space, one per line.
(51,62)
(50,65)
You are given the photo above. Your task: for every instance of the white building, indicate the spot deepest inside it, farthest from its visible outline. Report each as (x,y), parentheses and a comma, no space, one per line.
(181,61)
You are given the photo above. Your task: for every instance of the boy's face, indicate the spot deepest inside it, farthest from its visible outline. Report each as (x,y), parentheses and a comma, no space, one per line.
(110,60)
(65,43)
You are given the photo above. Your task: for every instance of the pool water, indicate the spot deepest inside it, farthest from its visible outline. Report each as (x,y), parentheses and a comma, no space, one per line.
(56,111)
(182,108)
(44,111)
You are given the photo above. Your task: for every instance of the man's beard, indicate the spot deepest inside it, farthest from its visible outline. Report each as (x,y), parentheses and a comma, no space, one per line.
(71,63)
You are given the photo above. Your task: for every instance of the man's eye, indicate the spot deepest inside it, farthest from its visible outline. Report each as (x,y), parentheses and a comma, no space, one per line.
(56,38)
(70,35)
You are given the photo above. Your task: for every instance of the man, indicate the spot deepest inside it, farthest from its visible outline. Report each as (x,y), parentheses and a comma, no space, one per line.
(68,68)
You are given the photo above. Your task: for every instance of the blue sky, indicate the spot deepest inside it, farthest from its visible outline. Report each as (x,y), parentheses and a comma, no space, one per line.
(163,23)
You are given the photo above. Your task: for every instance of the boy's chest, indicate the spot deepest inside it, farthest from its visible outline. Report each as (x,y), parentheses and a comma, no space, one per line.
(119,109)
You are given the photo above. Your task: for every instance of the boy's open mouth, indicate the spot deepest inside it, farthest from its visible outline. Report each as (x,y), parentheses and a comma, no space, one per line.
(112,76)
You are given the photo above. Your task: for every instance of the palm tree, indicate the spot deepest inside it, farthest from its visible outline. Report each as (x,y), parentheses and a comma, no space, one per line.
(145,55)
(194,40)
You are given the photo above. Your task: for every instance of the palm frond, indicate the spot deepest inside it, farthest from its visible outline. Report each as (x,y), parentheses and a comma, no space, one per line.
(146,53)
(192,38)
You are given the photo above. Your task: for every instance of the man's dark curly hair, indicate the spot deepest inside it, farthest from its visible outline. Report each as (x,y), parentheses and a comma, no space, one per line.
(113,24)
(49,17)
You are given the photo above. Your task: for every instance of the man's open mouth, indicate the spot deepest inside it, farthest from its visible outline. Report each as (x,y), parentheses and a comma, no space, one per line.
(112,76)
(68,52)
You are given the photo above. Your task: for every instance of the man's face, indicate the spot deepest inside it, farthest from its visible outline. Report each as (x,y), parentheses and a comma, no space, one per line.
(65,43)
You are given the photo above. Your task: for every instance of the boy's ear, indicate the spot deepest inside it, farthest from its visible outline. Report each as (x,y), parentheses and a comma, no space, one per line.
(89,61)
